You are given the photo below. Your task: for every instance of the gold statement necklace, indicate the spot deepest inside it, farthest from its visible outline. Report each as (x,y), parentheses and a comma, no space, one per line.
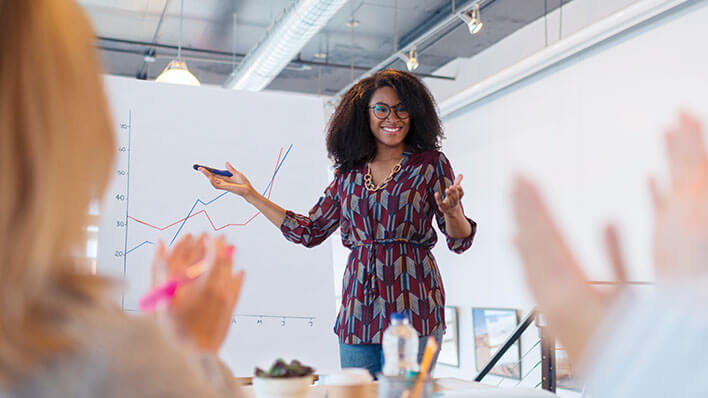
(369,179)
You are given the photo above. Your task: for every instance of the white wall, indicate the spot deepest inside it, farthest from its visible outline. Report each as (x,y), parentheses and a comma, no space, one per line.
(587,130)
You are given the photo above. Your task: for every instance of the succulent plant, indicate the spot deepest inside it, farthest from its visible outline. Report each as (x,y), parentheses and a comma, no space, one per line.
(282,369)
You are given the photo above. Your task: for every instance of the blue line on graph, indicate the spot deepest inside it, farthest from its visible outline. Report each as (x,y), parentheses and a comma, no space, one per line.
(211,201)
(147,242)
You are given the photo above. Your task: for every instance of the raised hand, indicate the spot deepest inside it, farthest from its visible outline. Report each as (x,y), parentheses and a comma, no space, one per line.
(238,183)
(681,214)
(187,252)
(554,275)
(453,195)
(680,241)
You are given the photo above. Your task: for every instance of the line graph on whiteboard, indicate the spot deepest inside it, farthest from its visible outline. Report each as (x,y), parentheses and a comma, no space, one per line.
(287,304)
(132,225)
(190,214)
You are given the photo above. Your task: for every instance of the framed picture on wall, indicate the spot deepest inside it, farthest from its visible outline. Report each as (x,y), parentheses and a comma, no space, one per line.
(450,348)
(492,327)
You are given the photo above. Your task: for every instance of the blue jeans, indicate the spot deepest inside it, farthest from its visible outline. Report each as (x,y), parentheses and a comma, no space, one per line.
(370,356)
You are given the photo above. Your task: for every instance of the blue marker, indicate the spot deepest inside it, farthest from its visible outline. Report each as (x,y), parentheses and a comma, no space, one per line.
(218,172)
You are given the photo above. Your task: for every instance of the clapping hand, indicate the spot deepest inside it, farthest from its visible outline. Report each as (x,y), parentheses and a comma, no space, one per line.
(554,275)
(680,242)
(681,213)
(201,310)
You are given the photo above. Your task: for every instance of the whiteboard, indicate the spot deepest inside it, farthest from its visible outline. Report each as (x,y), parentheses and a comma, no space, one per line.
(287,305)
(589,132)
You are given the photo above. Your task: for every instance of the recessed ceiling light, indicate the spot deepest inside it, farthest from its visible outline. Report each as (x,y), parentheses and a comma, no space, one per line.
(353,23)
(320,54)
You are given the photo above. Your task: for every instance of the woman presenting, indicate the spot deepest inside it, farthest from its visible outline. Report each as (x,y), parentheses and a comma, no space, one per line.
(390,181)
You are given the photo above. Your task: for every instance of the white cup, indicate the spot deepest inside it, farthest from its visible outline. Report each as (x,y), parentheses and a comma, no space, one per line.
(349,383)
(347,377)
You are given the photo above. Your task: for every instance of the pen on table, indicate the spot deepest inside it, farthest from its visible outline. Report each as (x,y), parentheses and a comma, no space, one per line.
(167,290)
(212,170)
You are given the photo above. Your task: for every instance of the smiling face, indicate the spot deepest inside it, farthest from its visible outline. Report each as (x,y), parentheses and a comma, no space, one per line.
(391,131)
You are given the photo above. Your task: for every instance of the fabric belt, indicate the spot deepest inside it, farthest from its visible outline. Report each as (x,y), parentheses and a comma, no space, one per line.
(372,242)
(370,285)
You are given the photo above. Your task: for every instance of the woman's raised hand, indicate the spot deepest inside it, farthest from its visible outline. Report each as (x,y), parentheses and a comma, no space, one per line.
(202,310)
(238,183)
(453,195)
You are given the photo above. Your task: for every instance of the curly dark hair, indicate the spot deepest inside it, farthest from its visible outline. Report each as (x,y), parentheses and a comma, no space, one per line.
(350,142)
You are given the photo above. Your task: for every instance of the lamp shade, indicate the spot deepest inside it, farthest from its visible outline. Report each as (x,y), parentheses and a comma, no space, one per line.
(176,72)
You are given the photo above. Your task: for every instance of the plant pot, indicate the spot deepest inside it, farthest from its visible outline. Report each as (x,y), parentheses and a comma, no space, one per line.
(282,387)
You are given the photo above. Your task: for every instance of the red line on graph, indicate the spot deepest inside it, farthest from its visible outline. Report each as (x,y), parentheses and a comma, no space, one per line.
(272,179)
(207,214)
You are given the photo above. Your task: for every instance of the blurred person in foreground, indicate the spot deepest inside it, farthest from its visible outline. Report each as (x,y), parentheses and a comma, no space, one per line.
(61,335)
(625,345)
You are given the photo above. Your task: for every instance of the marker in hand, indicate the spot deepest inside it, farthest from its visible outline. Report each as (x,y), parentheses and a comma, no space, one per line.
(218,172)
(167,290)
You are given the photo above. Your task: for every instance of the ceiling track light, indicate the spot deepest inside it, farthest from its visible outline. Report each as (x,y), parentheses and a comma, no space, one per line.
(472,19)
(411,59)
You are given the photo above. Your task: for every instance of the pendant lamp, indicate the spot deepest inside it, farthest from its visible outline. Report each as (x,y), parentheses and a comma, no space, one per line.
(177,71)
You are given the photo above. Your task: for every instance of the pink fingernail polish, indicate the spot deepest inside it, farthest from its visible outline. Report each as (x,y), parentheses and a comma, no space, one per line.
(229,251)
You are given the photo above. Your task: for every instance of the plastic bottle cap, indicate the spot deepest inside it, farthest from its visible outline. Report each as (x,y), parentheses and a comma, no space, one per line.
(399,316)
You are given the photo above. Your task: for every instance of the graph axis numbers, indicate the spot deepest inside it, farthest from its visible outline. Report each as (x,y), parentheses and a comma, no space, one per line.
(122,149)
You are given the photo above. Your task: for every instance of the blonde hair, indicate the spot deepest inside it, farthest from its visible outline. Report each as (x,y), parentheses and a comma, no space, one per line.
(56,150)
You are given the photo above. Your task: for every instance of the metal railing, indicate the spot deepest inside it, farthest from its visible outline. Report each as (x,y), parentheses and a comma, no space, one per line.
(547,360)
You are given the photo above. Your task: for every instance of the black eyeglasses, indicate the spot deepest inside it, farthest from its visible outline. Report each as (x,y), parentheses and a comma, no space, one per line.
(381,111)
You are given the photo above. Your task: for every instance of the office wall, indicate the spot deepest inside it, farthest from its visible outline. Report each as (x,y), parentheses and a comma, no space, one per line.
(587,130)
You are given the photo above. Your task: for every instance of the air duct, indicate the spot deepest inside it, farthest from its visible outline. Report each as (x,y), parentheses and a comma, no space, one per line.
(283,41)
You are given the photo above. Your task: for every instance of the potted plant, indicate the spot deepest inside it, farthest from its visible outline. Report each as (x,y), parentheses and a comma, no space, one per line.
(283,380)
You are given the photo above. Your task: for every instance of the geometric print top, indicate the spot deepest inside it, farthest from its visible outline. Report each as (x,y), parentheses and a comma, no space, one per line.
(390,234)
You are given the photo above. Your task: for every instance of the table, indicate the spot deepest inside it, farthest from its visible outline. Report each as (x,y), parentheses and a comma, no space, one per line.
(445,387)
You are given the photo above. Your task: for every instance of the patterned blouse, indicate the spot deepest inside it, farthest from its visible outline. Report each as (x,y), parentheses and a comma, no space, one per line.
(390,234)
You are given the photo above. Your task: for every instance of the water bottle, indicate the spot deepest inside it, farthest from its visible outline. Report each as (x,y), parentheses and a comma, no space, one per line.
(400,347)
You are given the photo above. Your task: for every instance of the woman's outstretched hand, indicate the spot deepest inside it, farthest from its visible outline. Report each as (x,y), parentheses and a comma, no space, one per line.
(238,183)
(453,197)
